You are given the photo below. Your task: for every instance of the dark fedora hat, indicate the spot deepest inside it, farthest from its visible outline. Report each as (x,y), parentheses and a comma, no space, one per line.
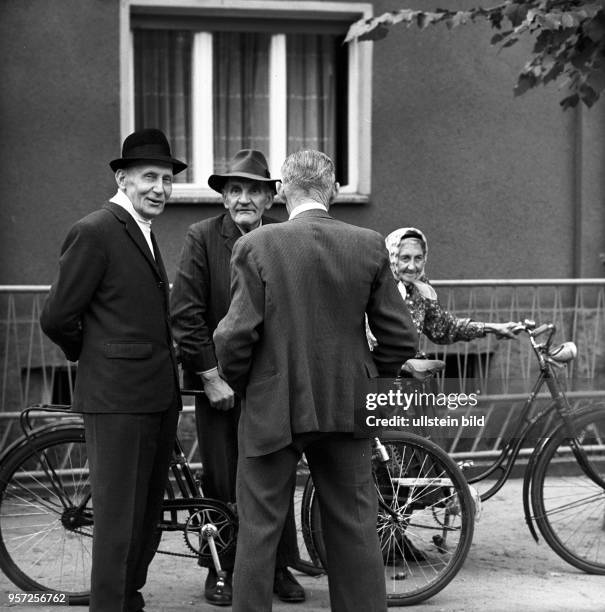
(148,145)
(247,163)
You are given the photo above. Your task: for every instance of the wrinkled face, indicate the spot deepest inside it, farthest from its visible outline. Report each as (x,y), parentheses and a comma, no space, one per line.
(148,186)
(246,200)
(410,263)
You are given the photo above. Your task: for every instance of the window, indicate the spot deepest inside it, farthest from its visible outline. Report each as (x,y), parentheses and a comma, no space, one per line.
(274,76)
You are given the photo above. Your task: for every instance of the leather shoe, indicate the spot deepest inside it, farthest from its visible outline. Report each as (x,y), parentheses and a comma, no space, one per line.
(218,595)
(287,587)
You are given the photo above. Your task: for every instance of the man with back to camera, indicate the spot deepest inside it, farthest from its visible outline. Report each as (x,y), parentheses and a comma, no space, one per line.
(199,299)
(108,310)
(293,345)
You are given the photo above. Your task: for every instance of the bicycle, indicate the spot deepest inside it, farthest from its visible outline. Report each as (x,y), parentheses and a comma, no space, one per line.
(426,511)
(46,515)
(567,504)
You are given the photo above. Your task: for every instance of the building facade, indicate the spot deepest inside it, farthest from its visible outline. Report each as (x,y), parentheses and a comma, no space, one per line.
(423,124)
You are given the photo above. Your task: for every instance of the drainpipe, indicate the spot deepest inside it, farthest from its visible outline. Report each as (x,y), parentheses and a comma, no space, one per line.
(577,191)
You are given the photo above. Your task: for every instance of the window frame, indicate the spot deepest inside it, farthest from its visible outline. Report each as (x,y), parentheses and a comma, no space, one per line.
(360,81)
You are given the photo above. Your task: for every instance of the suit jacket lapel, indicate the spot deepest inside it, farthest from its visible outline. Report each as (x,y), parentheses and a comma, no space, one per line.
(135,233)
(229,232)
(159,263)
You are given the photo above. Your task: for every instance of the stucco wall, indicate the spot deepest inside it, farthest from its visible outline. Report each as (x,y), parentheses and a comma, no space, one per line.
(492,179)
(487,175)
(59,114)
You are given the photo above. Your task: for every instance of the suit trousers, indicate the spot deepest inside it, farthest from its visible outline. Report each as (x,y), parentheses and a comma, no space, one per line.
(341,468)
(129,456)
(217,436)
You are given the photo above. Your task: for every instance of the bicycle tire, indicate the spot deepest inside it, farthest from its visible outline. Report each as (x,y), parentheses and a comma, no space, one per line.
(307,561)
(568,507)
(309,520)
(427,538)
(41,531)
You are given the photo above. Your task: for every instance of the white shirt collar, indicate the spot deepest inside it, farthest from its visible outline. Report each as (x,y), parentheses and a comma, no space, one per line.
(121,199)
(306,206)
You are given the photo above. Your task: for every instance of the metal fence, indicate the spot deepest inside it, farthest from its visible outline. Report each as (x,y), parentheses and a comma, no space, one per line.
(35,371)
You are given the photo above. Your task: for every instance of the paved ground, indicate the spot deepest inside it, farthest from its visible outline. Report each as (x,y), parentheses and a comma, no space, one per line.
(505,571)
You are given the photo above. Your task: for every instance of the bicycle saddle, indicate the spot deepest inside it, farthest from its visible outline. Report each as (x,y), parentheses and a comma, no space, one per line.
(421,369)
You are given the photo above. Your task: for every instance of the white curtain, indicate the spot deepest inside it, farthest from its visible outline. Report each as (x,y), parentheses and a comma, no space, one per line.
(311,65)
(162,68)
(240,94)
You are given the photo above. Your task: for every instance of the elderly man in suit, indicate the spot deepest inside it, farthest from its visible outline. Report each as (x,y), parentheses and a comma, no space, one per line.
(108,310)
(293,345)
(199,300)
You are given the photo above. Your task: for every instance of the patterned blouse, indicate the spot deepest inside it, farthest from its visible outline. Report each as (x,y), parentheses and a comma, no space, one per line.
(436,323)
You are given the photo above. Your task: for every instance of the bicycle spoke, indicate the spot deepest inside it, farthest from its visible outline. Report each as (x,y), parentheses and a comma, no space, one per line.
(45,539)
(568,506)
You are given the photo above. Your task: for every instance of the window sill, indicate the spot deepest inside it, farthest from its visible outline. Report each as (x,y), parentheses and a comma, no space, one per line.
(188,196)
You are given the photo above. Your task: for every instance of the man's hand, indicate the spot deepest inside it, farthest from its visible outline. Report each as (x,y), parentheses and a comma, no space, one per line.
(219,393)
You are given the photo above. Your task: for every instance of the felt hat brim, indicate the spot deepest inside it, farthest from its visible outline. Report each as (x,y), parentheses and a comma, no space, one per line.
(123,162)
(217,181)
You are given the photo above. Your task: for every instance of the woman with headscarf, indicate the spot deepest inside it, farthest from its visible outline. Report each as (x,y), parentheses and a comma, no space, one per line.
(408,249)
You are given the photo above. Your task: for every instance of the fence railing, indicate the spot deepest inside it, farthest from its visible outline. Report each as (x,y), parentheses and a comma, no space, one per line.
(33,370)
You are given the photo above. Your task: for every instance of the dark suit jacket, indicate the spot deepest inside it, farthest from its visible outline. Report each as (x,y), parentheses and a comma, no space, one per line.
(108,309)
(293,342)
(200,295)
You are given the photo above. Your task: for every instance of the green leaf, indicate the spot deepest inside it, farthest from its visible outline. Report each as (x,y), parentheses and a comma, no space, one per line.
(543,40)
(496,38)
(595,28)
(515,13)
(570,101)
(588,95)
(553,73)
(525,82)
(377,32)
(510,42)
(569,20)
(495,18)
(596,79)
(551,21)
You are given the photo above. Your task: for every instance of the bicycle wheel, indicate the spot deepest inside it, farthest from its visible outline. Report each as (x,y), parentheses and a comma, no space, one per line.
(425,518)
(46,515)
(569,507)
(310,522)
(308,560)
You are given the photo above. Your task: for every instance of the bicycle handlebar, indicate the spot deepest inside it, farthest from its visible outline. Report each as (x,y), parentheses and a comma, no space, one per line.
(529,326)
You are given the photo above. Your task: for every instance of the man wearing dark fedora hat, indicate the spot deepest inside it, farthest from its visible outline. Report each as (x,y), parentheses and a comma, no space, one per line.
(108,310)
(199,299)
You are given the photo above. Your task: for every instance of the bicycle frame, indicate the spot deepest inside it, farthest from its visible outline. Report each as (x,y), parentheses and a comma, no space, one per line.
(560,405)
(512,447)
(189,488)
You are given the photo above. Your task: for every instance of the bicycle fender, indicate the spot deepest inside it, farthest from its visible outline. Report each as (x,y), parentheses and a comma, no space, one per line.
(22,441)
(527,481)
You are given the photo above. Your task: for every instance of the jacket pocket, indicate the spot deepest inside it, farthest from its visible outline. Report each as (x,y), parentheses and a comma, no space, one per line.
(127,350)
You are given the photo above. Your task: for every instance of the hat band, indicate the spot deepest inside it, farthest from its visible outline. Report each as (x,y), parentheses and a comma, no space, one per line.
(147,150)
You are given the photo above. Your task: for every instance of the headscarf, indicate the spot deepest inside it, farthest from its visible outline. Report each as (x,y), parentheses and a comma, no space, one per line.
(393,242)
